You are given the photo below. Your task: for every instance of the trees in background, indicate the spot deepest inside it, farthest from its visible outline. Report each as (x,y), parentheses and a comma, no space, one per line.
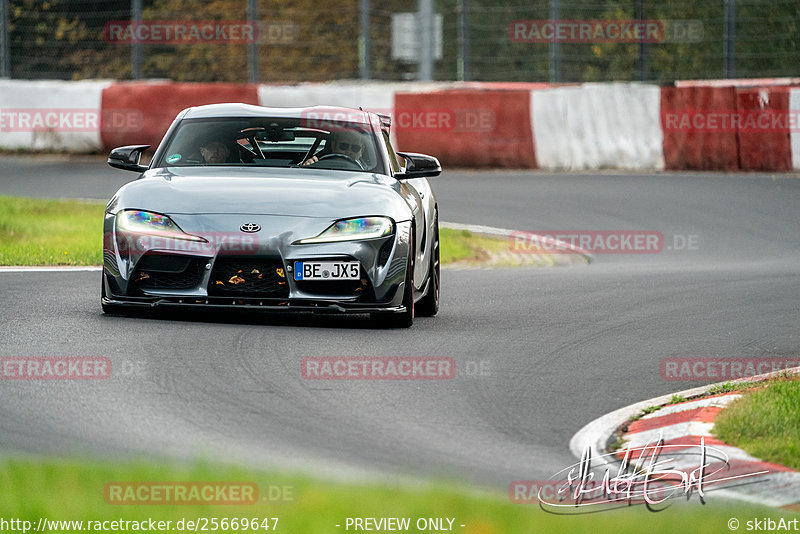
(308,40)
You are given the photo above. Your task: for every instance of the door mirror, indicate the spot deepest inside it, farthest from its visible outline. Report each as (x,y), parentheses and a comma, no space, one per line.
(127,158)
(419,166)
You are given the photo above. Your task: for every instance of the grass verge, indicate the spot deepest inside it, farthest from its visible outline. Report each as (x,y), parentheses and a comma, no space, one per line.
(50,232)
(465,247)
(765,422)
(73,490)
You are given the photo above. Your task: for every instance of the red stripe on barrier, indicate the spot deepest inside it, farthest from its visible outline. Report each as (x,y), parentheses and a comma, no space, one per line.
(693,147)
(141,112)
(764,140)
(467,128)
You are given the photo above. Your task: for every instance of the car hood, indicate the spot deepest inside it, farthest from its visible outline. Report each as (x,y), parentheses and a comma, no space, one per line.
(289,192)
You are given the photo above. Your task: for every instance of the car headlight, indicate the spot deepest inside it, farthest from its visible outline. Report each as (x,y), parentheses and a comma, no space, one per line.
(353,230)
(146,222)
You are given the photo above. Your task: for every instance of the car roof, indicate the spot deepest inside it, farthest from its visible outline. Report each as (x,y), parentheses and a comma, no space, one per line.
(327,113)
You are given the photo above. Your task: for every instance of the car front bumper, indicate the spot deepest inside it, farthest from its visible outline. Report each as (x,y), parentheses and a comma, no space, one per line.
(252,271)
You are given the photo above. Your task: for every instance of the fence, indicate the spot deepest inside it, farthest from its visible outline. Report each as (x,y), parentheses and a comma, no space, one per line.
(305,40)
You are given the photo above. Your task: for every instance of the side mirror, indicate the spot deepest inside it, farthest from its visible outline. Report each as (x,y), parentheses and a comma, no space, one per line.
(419,166)
(127,158)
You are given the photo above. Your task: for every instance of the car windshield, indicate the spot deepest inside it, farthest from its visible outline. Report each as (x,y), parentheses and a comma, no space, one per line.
(272,142)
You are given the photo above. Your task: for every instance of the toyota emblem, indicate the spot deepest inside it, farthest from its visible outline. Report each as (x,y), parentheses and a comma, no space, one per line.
(250,228)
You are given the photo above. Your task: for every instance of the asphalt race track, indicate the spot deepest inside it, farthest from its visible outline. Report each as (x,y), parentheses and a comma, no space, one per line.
(538,352)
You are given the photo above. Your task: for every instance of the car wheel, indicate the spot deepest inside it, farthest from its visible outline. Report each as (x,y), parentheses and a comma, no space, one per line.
(428,306)
(406,318)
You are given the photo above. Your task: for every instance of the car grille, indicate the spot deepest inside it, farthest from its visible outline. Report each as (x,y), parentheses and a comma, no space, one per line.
(168,272)
(251,277)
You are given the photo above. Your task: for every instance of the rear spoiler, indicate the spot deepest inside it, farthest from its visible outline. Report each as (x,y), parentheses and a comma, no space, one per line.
(386,120)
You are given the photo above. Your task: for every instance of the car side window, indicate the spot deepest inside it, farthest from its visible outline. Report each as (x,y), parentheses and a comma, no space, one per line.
(392,155)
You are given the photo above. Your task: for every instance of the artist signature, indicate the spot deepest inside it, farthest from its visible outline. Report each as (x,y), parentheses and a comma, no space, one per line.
(642,477)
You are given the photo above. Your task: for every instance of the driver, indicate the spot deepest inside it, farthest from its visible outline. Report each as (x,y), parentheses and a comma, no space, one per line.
(214,152)
(347,143)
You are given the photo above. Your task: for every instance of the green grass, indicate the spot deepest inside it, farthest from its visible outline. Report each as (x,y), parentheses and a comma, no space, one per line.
(765,423)
(464,246)
(730,387)
(73,490)
(649,410)
(69,232)
(50,232)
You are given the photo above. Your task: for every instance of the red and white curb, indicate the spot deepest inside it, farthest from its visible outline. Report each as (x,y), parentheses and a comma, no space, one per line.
(686,424)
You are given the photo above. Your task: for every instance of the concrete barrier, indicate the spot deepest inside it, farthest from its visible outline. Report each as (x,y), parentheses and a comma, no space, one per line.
(794,136)
(764,130)
(155,105)
(597,126)
(377,97)
(693,135)
(467,128)
(51,115)
(703,125)
(372,97)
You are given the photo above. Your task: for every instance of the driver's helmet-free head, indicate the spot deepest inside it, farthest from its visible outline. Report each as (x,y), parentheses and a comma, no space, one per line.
(215,148)
(347,143)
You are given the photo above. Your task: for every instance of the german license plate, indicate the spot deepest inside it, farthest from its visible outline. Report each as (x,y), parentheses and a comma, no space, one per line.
(327,270)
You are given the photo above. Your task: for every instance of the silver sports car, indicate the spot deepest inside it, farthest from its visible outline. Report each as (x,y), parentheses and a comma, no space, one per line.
(301,209)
